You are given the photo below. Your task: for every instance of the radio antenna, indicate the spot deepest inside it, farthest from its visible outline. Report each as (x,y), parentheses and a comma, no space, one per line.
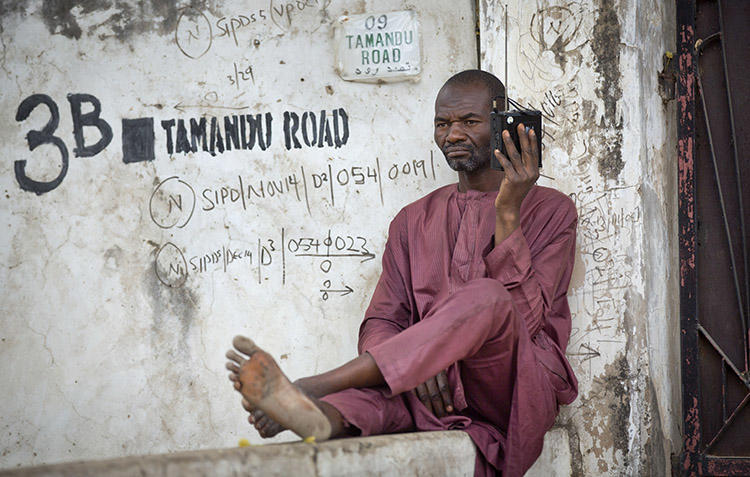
(506,57)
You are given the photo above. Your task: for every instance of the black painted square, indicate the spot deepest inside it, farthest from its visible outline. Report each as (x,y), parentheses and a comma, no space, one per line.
(137,140)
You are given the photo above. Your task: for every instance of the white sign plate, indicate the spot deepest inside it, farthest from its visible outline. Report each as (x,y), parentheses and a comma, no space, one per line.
(377,47)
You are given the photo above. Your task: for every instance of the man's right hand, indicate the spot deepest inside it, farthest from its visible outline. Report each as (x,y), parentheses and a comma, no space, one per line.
(435,394)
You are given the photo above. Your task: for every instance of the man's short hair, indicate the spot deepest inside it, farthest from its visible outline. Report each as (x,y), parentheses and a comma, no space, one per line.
(478,77)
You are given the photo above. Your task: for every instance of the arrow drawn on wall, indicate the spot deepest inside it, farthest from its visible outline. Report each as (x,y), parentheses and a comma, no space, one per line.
(588,352)
(328,290)
(182,107)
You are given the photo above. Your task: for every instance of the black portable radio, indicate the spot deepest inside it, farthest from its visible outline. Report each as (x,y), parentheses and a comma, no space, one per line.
(509,120)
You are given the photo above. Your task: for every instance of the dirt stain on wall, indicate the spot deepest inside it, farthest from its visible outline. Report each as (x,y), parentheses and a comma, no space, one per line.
(174,312)
(605,44)
(606,409)
(125,19)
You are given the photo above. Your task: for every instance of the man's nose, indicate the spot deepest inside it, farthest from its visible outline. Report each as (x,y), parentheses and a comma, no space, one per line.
(456,133)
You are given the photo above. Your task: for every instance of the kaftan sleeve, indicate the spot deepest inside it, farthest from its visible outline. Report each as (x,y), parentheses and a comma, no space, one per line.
(537,274)
(391,305)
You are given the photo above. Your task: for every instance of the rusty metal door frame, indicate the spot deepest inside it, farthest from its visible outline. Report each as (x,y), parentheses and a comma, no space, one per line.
(697,458)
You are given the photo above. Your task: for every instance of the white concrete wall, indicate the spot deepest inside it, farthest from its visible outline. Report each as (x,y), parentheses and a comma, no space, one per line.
(591,66)
(108,347)
(101,358)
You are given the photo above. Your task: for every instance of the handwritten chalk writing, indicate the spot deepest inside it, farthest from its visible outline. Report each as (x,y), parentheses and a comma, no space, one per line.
(261,189)
(305,185)
(263,259)
(170,266)
(325,266)
(172,203)
(224,256)
(193,34)
(414,167)
(241,75)
(229,26)
(281,12)
(330,246)
(326,290)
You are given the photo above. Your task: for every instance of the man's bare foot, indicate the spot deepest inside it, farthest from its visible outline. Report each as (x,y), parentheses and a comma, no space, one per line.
(265,426)
(265,387)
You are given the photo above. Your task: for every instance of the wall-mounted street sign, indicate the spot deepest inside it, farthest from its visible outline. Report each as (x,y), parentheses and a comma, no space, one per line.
(376,47)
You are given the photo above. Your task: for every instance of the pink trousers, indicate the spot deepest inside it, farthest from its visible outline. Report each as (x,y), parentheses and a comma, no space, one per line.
(505,385)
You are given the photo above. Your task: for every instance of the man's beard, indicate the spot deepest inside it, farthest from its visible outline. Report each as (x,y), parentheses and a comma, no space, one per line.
(475,162)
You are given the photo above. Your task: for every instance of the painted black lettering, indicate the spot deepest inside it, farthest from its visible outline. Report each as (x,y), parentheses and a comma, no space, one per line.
(36,138)
(291,125)
(217,143)
(314,128)
(167,125)
(89,119)
(231,134)
(182,142)
(269,137)
(341,136)
(247,123)
(198,134)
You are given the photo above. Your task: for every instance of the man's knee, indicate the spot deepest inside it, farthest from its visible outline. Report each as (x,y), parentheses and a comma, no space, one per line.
(485,292)
(490,302)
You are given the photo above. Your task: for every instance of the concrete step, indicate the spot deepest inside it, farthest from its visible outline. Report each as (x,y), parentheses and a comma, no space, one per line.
(414,454)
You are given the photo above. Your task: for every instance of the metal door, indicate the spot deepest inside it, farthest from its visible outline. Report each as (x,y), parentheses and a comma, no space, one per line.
(714,193)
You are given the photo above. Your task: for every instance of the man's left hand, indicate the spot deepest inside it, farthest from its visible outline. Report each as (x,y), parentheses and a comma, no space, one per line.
(435,394)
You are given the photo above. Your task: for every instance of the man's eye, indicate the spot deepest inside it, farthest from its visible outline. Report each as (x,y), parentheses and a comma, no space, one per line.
(439,125)
(470,122)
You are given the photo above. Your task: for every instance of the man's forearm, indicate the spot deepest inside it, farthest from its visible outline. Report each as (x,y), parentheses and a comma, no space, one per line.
(506,221)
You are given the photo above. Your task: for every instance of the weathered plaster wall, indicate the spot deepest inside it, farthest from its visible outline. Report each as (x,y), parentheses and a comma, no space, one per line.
(592,67)
(102,356)
(123,286)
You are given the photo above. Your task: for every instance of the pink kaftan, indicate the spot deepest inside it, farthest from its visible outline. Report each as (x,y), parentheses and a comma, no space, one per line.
(496,318)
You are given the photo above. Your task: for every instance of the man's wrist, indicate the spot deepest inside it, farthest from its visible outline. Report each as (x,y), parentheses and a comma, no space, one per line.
(507,216)
(507,219)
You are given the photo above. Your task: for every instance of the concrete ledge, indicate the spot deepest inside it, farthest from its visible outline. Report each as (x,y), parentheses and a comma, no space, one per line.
(423,453)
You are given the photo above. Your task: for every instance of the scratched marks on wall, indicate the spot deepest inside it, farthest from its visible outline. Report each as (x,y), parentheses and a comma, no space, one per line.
(604,233)
(550,69)
(557,35)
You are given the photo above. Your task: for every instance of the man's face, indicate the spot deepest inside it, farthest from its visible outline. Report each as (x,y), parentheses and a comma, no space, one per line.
(462,126)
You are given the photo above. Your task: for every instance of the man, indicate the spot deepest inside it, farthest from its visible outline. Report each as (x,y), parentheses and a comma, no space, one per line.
(468,324)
